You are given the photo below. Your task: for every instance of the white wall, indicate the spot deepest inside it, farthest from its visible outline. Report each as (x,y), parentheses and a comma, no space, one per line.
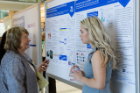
(7,23)
(2,29)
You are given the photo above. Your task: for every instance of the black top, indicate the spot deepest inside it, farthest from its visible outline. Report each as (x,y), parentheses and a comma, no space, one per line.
(2,50)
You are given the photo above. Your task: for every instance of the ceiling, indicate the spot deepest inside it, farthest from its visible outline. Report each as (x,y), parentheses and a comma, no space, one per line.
(15,6)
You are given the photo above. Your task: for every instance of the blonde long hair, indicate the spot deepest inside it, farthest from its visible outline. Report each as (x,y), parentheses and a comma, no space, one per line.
(100,39)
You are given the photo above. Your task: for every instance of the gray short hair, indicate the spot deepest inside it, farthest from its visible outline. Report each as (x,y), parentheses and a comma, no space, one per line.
(13,38)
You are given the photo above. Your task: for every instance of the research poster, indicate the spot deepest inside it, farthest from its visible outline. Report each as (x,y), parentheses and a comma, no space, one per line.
(117,16)
(60,40)
(64,46)
(29,19)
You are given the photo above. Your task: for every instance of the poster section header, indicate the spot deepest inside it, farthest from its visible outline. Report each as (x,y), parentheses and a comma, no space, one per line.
(67,8)
(82,5)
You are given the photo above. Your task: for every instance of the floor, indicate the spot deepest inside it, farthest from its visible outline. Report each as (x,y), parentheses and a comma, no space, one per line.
(65,88)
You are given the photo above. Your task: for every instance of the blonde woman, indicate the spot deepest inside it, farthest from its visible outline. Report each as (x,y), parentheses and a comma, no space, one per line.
(98,68)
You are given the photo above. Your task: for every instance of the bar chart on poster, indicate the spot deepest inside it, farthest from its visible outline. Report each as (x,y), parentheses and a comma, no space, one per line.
(65,48)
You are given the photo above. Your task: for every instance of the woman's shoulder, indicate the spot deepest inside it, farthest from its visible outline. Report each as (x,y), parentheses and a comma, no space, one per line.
(96,55)
(10,56)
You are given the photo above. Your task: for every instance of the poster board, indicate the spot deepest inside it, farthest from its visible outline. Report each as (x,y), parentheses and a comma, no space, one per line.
(64,28)
(29,18)
(119,17)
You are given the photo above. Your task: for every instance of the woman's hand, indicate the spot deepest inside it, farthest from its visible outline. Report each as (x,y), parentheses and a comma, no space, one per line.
(43,66)
(77,75)
(72,68)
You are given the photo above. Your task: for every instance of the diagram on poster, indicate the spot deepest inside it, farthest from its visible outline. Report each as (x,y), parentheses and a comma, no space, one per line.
(19,21)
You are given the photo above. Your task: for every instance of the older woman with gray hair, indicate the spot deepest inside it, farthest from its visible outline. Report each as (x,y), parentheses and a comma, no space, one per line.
(17,72)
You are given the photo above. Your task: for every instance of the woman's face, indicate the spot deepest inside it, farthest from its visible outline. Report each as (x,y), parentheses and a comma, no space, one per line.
(24,41)
(84,35)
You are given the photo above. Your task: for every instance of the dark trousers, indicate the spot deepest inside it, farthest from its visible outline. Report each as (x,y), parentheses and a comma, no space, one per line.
(52,83)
